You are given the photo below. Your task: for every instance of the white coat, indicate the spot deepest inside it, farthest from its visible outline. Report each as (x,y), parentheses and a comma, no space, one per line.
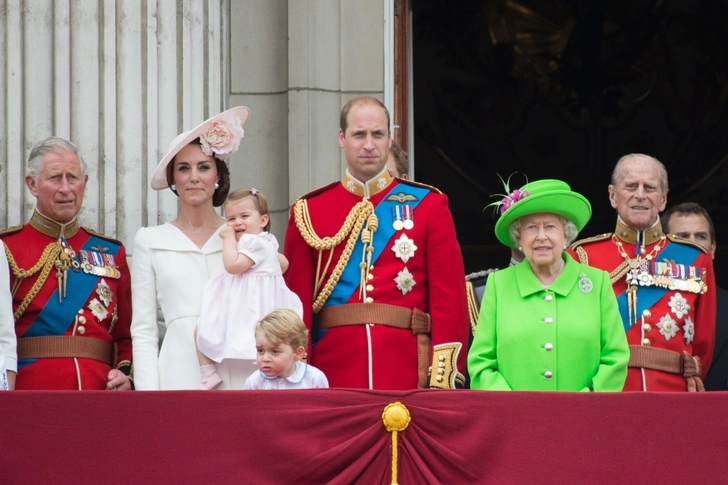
(168,269)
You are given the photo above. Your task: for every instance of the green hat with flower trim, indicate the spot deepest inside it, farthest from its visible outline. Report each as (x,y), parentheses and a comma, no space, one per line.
(548,195)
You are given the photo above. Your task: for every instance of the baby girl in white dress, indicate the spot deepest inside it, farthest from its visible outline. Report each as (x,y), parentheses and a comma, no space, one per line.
(251,287)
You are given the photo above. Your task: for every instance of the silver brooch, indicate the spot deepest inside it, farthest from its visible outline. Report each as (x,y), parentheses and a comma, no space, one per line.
(585,284)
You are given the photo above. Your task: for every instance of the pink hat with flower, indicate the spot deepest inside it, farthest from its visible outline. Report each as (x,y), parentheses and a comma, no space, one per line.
(219,136)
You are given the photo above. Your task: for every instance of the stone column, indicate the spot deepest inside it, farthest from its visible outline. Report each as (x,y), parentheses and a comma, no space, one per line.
(120,79)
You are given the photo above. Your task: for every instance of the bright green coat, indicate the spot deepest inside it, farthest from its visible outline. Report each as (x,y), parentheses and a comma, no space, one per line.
(583,347)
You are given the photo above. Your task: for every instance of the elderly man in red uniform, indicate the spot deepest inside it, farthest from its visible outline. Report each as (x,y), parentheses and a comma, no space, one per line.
(376,262)
(70,286)
(665,285)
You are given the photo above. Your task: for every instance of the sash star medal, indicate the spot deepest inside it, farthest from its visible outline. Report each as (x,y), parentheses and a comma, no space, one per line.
(404,248)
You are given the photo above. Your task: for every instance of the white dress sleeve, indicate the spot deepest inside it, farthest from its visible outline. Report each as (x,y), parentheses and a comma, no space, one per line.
(144,329)
(253,247)
(8,343)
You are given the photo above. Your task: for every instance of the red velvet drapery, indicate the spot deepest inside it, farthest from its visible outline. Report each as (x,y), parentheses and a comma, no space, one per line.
(337,436)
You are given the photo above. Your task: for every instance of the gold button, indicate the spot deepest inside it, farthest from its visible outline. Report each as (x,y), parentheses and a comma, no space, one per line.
(441,371)
(81,330)
(646,342)
(441,358)
(371,267)
(369,300)
(440,378)
(80,312)
(647,314)
(370,276)
(370,288)
(441,364)
(646,327)
(81,320)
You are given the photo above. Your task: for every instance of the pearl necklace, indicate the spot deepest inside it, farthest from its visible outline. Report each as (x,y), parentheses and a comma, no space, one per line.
(546,287)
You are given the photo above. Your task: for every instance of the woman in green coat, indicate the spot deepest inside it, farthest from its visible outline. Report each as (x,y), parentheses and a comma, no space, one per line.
(548,323)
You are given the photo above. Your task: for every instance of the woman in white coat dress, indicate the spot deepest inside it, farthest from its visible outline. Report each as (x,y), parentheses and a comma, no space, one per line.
(8,342)
(172,263)
(8,345)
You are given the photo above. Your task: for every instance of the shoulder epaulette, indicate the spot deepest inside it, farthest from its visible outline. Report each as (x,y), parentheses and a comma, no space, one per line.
(419,184)
(102,236)
(318,191)
(11,230)
(581,242)
(682,240)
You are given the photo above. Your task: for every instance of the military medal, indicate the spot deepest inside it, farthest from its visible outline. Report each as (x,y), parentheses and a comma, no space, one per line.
(99,264)
(114,318)
(688,331)
(397,223)
(408,217)
(585,284)
(98,309)
(405,281)
(104,291)
(668,327)
(404,248)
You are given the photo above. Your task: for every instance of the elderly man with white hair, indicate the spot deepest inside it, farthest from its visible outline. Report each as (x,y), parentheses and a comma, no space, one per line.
(71,288)
(664,284)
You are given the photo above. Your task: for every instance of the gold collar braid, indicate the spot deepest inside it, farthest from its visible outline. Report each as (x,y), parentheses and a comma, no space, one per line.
(633,236)
(49,227)
(362,212)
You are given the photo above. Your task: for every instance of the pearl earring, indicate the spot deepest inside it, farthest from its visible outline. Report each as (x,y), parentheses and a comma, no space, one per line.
(520,248)
(173,187)
(217,186)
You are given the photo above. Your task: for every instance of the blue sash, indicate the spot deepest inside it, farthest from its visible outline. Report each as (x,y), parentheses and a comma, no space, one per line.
(55,317)
(350,277)
(647,296)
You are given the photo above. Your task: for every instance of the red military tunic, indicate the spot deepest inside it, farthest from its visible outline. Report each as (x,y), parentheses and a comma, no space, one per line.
(95,310)
(677,318)
(417,266)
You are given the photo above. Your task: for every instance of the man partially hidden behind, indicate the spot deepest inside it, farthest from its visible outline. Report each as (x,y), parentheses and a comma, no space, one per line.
(376,262)
(70,285)
(664,284)
(691,221)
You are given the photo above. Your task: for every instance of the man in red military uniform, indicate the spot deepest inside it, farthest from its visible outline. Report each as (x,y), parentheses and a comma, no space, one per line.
(376,262)
(71,286)
(664,285)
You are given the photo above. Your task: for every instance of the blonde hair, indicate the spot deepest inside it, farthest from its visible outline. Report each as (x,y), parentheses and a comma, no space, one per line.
(284,326)
(259,201)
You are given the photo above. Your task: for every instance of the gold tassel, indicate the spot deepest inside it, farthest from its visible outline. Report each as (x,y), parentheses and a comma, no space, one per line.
(396,418)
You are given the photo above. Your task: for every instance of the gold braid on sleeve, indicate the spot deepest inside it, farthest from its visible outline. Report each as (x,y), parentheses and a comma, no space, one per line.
(45,264)
(351,229)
